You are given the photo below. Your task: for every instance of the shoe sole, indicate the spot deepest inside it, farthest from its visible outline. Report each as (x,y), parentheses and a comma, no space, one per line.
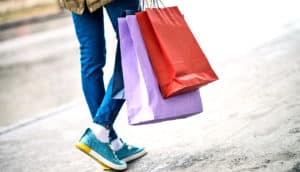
(135,156)
(105,164)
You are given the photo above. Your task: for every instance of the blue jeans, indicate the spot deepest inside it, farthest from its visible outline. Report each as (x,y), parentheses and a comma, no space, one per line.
(89,29)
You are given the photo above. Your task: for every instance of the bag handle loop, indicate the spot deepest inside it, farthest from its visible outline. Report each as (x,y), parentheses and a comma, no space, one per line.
(151,4)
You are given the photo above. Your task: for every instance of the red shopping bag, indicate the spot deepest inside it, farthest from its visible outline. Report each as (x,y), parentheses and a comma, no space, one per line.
(178,62)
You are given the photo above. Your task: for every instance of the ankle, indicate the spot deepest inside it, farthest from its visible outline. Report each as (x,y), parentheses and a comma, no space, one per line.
(117,144)
(100,132)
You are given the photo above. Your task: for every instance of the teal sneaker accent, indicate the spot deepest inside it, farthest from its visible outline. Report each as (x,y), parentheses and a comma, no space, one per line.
(101,151)
(129,153)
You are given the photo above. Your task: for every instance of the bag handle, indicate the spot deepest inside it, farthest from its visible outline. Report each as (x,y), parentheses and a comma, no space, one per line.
(151,4)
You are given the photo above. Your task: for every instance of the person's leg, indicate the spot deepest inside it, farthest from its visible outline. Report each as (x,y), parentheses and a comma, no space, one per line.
(89,29)
(109,109)
(123,151)
(116,9)
(90,33)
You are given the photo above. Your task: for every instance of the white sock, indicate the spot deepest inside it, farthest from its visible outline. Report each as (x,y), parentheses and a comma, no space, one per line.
(100,132)
(116,144)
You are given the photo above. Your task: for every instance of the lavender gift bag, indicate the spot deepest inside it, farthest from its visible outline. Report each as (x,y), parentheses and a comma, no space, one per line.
(145,103)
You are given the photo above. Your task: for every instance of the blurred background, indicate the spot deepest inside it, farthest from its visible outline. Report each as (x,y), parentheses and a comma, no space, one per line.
(39,66)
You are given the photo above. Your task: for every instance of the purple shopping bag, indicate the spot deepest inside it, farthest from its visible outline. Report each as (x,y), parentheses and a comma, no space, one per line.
(145,103)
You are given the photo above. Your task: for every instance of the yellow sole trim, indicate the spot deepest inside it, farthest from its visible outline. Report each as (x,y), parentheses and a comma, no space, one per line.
(85,149)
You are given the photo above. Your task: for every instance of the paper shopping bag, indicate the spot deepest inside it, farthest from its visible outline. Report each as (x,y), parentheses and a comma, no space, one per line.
(117,80)
(145,103)
(179,63)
